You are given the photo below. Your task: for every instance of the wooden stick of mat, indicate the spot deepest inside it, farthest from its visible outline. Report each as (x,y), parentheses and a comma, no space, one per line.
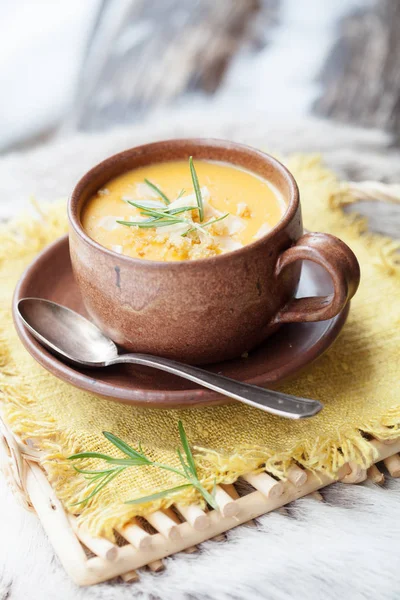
(265,484)
(221,537)
(194,515)
(232,491)
(357,474)
(316,496)
(297,476)
(130,576)
(226,504)
(156,565)
(375,475)
(141,540)
(99,546)
(392,463)
(136,535)
(172,515)
(164,524)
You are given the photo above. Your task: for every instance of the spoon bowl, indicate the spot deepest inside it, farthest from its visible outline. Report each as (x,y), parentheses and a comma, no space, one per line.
(66,333)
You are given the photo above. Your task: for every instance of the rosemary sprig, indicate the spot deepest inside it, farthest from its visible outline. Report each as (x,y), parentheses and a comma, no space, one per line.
(197,190)
(162,212)
(159,218)
(162,217)
(167,216)
(137,458)
(158,191)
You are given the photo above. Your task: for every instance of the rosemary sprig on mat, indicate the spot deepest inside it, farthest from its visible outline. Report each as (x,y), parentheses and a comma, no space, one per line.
(137,458)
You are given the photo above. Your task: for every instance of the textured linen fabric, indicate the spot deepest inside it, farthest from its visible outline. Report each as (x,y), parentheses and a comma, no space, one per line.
(357,380)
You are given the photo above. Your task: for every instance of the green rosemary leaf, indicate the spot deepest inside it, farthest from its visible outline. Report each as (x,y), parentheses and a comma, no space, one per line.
(168,468)
(177,211)
(181,193)
(158,191)
(186,233)
(90,455)
(151,223)
(136,223)
(124,447)
(205,225)
(148,209)
(106,480)
(158,495)
(214,490)
(123,462)
(90,472)
(165,213)
(93,478)
(206,495)
(184,465)
(197,190)
(186,447)
(215,220)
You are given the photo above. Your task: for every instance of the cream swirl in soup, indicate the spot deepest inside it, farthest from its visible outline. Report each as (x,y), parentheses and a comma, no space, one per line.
(158,212)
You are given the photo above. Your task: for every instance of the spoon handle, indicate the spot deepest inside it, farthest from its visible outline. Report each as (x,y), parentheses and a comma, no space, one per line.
(270,401)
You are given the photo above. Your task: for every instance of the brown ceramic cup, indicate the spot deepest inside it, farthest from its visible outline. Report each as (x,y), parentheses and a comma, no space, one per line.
(211,309)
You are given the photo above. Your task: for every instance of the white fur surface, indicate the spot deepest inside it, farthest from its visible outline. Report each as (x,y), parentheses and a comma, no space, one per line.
(345,548)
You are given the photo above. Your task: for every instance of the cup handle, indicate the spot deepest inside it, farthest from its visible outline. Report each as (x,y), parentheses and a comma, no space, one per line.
(336,258)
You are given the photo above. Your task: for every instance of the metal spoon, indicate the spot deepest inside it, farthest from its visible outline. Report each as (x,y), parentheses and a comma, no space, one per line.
(76,340)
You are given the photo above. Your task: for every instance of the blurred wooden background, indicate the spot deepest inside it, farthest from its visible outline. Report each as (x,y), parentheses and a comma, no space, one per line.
(361,78)
(339,60)
(181,47)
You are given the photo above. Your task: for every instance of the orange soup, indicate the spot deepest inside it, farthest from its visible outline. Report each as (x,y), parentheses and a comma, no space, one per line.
(182,210)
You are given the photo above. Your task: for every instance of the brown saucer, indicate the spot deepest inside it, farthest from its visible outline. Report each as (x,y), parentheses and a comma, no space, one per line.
(290,349)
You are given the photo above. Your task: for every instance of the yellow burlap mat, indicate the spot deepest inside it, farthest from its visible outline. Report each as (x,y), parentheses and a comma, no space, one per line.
(357,380)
